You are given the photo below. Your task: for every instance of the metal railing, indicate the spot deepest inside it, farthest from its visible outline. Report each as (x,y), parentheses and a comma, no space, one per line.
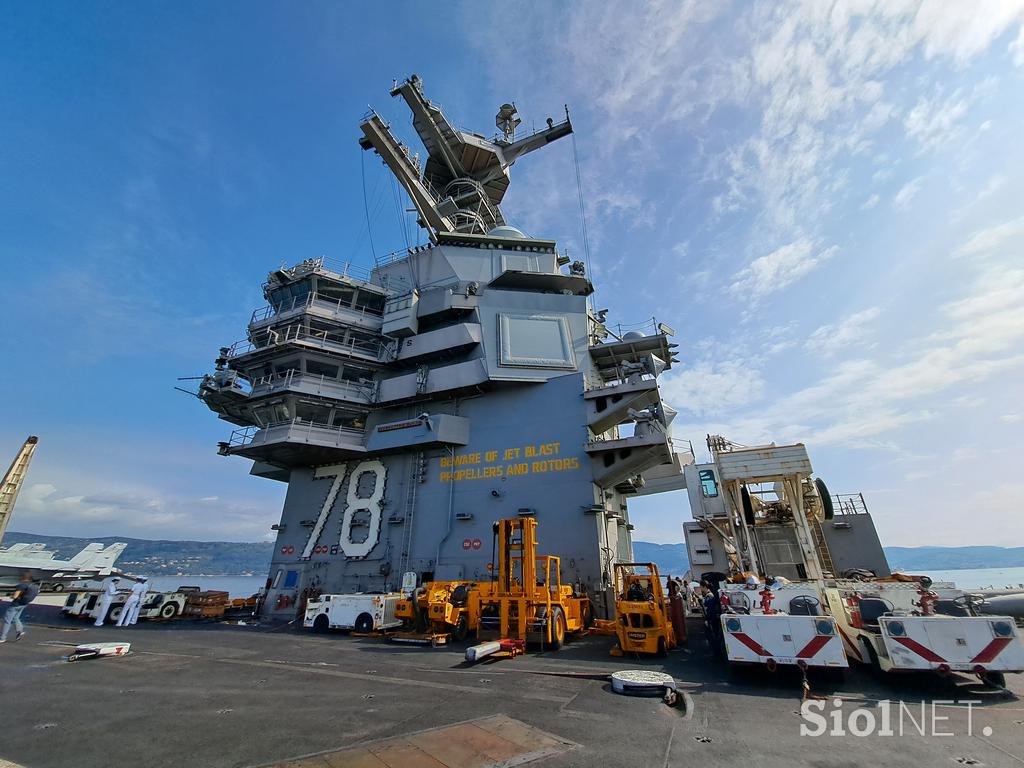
(292,431)
(849,504)
(299,333)
(308,300)
(314,385)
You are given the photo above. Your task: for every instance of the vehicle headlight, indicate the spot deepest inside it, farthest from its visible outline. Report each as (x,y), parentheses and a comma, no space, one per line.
(823,627)
(1002,629)
(733,625)
(895,628)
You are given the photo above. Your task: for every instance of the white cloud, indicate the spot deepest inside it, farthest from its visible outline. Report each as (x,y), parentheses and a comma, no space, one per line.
(1011,418)
(907,193)
(709,388)
(992,239)
(934,122)
(836,337)
(48,509)
(870,203)
(780,268)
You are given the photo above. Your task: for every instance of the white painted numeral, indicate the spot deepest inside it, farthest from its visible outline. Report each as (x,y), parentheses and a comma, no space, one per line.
(337,471)
(372,504)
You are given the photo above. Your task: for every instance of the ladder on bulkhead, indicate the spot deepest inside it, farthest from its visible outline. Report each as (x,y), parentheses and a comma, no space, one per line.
(821,546)
(418,467)
(12,482)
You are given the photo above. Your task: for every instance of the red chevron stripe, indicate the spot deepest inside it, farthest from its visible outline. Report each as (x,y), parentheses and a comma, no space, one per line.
(811,649)
(752,644)
(925,653)
(991,650)
(850,644)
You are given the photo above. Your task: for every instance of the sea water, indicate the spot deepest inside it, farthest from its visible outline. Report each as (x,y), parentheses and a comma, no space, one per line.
(244,586)
(236,586)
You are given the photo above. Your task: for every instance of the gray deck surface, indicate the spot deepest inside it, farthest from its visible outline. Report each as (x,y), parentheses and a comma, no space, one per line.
(206,695)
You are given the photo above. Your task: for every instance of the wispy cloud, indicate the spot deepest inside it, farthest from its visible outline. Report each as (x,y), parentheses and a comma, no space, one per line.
(993,239)
(842,336)
(780,268)
(907,193)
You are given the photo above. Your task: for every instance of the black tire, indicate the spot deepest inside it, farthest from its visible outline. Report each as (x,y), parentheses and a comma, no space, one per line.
(321,624)
(588,616)
(168,610)
(58,587)
(828,510)
(461,628)
(114,613)
(558,633)
(662,648)
(364,623)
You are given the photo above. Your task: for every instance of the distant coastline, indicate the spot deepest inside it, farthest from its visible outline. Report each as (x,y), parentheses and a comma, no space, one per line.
(231,558)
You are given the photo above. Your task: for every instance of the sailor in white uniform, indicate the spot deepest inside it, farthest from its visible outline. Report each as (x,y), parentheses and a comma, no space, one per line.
(131,605)
(106,598)
(140,591)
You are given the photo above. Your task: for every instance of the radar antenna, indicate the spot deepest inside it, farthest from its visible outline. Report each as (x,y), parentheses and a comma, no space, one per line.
(461,185)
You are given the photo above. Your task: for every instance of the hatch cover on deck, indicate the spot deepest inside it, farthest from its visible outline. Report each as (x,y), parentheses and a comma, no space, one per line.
(489,741)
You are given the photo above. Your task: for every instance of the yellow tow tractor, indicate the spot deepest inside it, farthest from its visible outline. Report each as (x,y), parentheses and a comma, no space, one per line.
(436,612)
(643,622)
(525,600)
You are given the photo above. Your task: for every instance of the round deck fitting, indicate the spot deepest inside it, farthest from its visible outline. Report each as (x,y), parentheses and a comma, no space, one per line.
(642,682)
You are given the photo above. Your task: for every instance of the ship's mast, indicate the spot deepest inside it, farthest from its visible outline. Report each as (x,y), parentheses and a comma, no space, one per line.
(13,480)
(461,184)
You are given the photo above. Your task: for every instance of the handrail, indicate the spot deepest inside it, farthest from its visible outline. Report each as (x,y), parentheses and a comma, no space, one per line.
(298,332)
(307,300)
(285,379)
(247,435)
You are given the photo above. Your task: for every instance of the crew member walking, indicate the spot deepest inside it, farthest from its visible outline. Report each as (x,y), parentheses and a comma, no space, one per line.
(24,594)
(106,598)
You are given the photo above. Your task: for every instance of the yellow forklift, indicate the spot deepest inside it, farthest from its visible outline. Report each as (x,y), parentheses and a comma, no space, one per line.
(437,611)
(643,621)
(525,600)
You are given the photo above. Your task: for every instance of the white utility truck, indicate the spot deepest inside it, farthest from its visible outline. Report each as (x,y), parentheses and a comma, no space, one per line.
(362,612)
(752,508)
(158,605)
(759,515)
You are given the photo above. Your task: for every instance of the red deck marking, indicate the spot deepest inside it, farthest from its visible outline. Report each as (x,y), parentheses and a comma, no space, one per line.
(811,649)
(991,650)
(853,648)
(752,644)
(925,653)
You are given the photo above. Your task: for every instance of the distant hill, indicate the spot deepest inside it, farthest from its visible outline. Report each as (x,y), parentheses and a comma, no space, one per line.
(224,558)
(671,559)
(954,558)
(155,558)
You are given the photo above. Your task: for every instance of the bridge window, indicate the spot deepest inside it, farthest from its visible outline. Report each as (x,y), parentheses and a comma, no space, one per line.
(708,484)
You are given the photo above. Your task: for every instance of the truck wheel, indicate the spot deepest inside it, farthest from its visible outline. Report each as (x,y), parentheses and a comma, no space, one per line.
(168,610)
(662,648)
(321,624)
(57,587)
(364,623)
(558,636)
(114,613)
(461,628)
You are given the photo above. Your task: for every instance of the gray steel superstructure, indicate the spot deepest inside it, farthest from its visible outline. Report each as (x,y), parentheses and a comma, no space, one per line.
(411,405)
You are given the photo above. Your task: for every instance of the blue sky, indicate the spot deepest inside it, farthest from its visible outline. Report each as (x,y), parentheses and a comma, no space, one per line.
(824,200)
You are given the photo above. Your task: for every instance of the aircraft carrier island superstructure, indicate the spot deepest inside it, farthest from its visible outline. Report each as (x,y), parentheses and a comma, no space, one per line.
(410,406)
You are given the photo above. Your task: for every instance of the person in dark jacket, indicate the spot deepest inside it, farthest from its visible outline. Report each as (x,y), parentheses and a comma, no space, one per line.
(24,594)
